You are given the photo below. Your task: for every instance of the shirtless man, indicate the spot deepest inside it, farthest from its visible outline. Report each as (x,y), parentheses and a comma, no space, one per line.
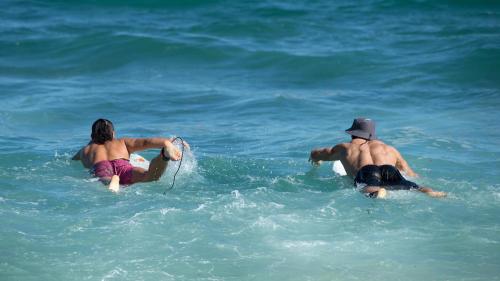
(371,162)
(108,157)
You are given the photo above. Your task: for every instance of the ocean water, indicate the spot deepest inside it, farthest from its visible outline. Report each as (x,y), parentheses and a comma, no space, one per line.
(253,86)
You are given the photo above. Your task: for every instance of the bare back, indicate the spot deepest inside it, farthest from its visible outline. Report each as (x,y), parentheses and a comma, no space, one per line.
(110,150)
(359,152)
(362,153)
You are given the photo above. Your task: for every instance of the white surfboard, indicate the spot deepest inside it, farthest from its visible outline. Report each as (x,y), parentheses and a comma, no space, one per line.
(138,161)
(338,168)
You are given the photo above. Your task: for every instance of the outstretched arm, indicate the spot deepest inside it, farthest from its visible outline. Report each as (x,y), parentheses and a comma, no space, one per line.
(325,154)
(139,144)
(402,165)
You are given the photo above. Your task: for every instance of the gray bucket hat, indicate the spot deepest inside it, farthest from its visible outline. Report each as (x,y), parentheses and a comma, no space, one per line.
(363,128)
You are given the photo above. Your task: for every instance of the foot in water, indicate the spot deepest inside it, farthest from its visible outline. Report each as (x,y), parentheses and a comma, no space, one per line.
(437,194)
(114,184)
(382,193)
(171,152)
(432,193)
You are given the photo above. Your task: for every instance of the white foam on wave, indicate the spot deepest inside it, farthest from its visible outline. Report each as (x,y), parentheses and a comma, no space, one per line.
(276,205)
(199,208)
(266,223)
(188,168)
(239,202)
(329,209)
(303,244)
(165,211)
(116,273)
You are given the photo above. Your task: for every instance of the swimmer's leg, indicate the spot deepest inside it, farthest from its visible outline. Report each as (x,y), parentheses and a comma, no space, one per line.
(432,193)
(114,184)
(374,191)
(158,165)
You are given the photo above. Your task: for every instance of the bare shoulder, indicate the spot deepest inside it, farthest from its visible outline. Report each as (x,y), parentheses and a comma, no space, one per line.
(123,141)
(341,146)
(392,150)
(340,150)
(380,144)
(381,147)
(89,147)
(377,142)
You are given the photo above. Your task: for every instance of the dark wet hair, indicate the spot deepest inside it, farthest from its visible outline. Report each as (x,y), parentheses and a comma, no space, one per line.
(102,131)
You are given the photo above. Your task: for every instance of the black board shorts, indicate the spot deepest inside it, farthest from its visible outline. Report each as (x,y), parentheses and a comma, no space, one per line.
(386,176)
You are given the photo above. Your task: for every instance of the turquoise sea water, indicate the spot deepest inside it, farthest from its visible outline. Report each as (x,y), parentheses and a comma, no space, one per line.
(253,86)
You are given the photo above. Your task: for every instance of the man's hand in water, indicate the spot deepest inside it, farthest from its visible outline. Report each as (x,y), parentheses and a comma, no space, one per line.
(315,163)
(312,158)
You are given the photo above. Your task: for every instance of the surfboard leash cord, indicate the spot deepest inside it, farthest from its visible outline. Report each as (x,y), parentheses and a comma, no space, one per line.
(180,163)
